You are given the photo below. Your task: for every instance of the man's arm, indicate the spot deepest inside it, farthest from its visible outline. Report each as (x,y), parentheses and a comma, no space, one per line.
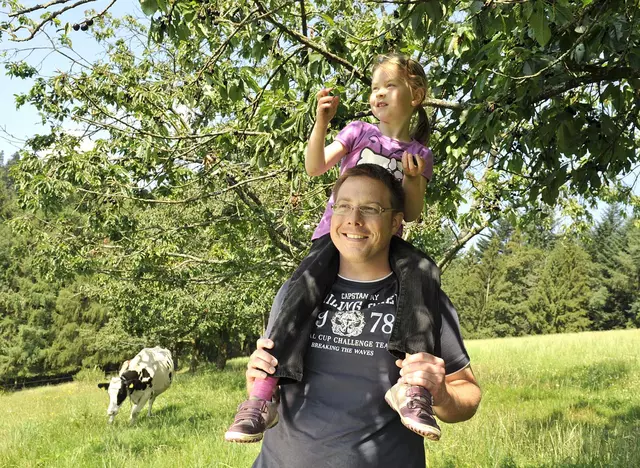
(461,399)
(455,397)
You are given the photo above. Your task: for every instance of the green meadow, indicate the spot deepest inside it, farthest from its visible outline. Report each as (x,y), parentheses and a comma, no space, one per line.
(570,400)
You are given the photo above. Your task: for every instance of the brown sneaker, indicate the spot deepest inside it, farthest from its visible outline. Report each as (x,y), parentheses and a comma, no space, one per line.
(252,419)
(414,405)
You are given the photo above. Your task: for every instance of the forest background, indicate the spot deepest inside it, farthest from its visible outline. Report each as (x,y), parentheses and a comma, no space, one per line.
(166,200)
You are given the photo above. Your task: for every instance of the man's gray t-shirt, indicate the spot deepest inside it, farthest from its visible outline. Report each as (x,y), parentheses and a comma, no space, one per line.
(337,416)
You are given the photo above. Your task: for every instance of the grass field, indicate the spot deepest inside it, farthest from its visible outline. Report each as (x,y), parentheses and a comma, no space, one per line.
(561,400)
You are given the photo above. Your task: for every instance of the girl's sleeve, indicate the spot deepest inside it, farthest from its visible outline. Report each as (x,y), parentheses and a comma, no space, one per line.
(348,136)
(426,154)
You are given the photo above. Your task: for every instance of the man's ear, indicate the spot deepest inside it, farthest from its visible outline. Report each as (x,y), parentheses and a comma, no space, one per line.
(396,221)
(103,385)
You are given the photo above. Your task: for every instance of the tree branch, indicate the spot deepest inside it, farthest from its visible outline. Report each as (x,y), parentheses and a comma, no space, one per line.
(296,35)
(36,7)
(195,198)
(442,104)
(276,233)
(460,243)
(596,75)
(216,55)
(51,17)
(303,13)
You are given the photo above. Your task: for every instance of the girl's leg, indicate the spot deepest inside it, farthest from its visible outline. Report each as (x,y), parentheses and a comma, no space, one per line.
(255,415)
(263,388)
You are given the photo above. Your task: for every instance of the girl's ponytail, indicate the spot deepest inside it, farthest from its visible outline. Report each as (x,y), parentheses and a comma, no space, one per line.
(422,131)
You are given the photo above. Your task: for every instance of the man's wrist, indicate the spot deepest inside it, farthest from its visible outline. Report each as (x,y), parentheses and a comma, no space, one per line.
(444,398)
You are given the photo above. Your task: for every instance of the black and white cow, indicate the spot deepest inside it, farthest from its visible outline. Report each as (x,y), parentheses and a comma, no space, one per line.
(142,378)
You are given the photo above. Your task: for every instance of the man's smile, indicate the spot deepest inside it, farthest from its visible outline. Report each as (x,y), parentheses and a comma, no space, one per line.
(354,236)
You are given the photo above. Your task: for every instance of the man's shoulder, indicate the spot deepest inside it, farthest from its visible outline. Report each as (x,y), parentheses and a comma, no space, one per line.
(282,293)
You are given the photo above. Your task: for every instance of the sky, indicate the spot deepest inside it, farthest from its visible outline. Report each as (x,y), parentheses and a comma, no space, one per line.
(16,125)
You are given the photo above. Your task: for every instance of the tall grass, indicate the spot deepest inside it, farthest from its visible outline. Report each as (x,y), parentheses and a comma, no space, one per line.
(569,400)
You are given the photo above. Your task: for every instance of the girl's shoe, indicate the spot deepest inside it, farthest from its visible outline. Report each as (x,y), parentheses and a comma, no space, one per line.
(414,405)
(252,419)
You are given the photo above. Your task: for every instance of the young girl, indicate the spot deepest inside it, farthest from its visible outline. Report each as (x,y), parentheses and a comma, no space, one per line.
(398,89)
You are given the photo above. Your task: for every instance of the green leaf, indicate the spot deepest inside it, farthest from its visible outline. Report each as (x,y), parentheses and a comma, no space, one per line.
(527,68)
(315,57)
(475,7)
(416,18)
(540,26)
(515,164)
(634,59)
(149,7)
(433,10)
(183,31)
(328,19)
(235,90)
(578,52)
(564,137)
(563,14)
(527,9)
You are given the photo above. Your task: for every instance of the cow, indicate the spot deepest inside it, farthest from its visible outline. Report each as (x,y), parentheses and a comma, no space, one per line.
(142,378)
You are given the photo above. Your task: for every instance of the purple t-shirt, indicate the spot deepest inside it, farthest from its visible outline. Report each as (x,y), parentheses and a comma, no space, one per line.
(366,144)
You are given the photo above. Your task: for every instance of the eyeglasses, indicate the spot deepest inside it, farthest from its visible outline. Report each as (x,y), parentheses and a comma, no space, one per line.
(365,210)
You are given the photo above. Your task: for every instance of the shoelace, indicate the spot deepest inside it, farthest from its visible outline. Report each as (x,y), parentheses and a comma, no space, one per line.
(419,397)
(251,410)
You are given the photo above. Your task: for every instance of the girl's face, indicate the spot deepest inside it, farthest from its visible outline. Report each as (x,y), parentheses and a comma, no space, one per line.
(392,99)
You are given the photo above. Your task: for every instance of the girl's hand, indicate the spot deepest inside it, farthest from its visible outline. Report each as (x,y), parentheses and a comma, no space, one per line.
(412,164)
(327,106)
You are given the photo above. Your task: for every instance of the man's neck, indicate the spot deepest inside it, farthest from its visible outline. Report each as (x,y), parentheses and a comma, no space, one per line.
(364,271)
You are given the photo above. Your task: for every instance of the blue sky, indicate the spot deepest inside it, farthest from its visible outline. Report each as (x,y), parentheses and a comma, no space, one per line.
(23,123)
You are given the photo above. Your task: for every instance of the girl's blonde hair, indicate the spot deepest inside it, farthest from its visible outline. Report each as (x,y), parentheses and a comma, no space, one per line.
(416,79)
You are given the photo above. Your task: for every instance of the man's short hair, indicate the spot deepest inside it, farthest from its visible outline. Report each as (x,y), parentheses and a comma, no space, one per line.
(374,171)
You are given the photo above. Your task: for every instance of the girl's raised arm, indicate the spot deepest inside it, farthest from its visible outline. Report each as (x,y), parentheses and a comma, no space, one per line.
(414,185)
(318,158)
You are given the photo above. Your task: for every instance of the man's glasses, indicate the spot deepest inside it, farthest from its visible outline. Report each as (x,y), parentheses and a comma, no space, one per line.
(365,210)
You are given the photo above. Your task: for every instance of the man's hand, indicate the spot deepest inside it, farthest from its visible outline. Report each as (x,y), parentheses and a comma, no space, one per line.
(412,164)
(327,107)
(455,396)
(428,371)
(261,363)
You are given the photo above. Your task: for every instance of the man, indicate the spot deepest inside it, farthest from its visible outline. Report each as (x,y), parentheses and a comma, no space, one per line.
(337,415)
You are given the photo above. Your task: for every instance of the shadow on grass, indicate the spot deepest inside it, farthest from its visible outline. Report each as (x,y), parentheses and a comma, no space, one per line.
(169,416)
(565,438)
(590,377)
(609,441)
(632,417)
(232,377)
(175,415)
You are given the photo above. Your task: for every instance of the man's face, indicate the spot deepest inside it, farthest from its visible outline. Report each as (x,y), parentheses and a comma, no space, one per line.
(364,239)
